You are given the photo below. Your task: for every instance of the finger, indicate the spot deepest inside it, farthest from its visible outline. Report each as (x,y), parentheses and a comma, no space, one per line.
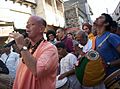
(11,35)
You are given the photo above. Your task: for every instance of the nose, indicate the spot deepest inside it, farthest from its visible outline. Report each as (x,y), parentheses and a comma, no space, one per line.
(56,34)
(27,26)
(97,18)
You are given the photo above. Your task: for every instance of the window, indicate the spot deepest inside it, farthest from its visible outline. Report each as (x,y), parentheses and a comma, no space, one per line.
(59,5)
(49,2)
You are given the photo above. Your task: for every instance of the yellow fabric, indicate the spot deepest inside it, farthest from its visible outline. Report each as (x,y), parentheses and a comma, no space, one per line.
(94,73)
(91,36)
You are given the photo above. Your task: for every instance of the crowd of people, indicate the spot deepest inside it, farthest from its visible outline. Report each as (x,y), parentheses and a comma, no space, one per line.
(36,63)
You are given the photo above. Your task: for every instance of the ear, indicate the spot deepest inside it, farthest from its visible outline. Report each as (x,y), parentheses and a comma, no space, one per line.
(42,29)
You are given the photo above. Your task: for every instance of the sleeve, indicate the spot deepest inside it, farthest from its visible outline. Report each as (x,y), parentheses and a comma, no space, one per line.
(69,45)
(47,61)
(71,61)
(114,40)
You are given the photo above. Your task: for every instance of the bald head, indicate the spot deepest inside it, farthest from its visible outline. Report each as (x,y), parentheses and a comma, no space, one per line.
(35,27)
(39,20)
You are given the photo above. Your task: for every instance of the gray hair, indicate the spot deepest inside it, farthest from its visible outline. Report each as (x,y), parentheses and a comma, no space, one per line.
(83,34)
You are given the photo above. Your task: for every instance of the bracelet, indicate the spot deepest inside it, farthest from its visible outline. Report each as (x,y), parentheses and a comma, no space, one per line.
(109,64)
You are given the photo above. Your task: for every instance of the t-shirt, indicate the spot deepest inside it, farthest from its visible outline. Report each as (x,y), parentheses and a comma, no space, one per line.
(108,49)
(11,61)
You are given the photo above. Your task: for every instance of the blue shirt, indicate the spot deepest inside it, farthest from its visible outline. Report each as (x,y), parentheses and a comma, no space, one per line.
(108,49)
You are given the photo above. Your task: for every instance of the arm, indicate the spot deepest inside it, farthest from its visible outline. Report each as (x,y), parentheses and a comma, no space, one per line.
(114,40)
(66,74)
(30,61)
(116,62)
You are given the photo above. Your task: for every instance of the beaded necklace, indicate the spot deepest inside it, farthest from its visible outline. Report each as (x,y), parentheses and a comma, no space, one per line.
(34,47)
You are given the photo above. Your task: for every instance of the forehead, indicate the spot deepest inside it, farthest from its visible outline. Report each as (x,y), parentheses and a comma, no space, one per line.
(50,35)
(33,19)
(85,26)
(59,30)
(102,17)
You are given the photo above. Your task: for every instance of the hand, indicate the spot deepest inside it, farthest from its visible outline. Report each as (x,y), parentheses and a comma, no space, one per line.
(19,39)
(61,76)
(77,63)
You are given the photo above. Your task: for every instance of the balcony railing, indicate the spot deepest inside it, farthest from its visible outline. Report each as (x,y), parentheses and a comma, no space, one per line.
(30,3)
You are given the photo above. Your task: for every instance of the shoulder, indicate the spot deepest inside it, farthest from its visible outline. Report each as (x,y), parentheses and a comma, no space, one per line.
(114,35)
(114,39)
(14,54)
(70,55)
(46,45)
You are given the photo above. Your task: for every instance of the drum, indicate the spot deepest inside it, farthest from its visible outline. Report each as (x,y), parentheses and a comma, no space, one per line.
(113,80)
(90,71)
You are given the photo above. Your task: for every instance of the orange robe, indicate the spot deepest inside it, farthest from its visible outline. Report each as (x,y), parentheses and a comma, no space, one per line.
(47,63)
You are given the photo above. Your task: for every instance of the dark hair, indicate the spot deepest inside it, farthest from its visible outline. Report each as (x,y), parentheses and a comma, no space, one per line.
(70,33)
(50,32)
(118,26)
(114,27)
(60,45)
(88,25)
(108,19)
(61,29)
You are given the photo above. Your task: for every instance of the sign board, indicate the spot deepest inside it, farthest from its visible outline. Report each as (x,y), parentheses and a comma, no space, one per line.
(5,30)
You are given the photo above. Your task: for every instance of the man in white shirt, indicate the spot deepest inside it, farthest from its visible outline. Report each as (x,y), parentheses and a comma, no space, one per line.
(67,68)
(11,59)
(84,41)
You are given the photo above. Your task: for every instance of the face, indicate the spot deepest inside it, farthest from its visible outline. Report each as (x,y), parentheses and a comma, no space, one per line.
(51,37)
(60,52)
(99,23)
(59,34)
(69,36)
(100,20)
(80,39)
(86,29)
(33,28)
(76,49)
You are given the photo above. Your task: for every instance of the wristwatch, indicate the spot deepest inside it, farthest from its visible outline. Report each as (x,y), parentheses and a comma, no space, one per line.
(109,64)
(24,48)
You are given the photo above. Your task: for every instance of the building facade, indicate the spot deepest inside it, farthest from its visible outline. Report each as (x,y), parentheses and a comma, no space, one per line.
(76,12)
(52,11)
(15,13)
(116,13)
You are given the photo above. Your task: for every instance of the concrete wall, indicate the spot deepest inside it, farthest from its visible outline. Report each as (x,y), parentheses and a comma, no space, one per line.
(53,13)
(116,13)
(75,13)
